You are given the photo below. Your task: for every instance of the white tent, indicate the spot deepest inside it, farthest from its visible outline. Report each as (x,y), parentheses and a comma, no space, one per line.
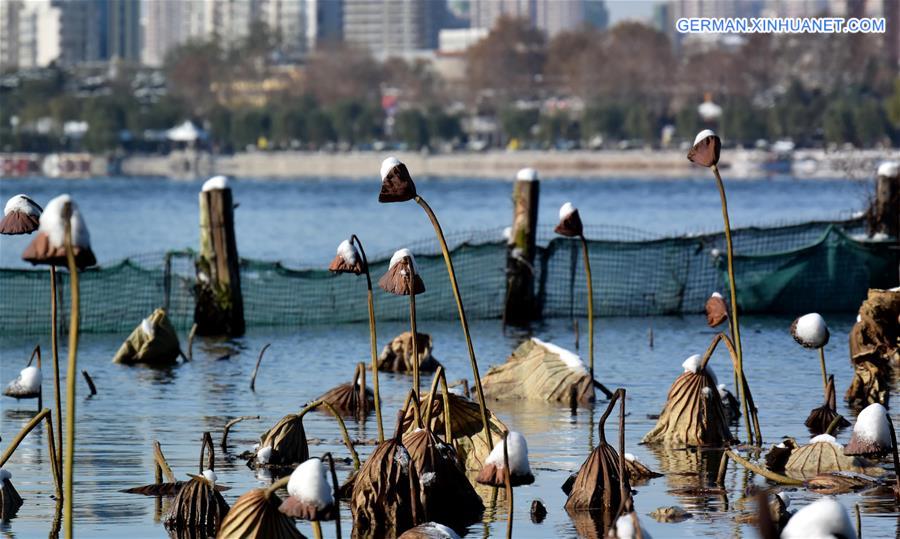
(186,132)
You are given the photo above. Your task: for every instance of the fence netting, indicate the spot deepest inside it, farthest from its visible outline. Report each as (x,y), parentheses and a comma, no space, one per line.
(816,266)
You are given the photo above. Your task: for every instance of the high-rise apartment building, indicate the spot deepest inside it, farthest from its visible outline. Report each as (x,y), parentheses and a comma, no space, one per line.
(393,27)
(551,16)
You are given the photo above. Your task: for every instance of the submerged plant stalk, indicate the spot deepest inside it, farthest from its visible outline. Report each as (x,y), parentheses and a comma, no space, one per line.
(462,317)
(71,378)
(372,337)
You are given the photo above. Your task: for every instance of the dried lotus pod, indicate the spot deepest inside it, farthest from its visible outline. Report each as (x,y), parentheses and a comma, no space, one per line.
(310,496)
(353,398)
(10,501)
(706,149)
(494,472)
(21,215)
(255,515)
(601,483)
(693,414)
(823,455)
(347,259)
(285,443)
(821,418)
(716,310)
(810,331)
(48,246)
(197,509)
(396,279)
(871,433)
(569,222)
(396,183)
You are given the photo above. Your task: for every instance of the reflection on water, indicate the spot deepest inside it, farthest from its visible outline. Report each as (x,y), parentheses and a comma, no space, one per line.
(135,406)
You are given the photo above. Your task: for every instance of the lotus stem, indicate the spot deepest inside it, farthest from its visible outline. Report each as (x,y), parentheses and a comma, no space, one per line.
(590,302)
(509,490)
(54,349)
(37,352)
(71,377)
(768,474)
(317,529)
(623,494)
(445,391)
(413,399)
(824,372)
(336,487)
(750,411)
(256,369)
(411,276)
(281,483)
(372,337)
(462,317)
(51,448)
(224,443)
(315,404)
(359,382)
(894,454)
(32,423)
(858,522)
(161,462)
(190,342)
(834,423)
(723,467)
(90,382)
(206,445)
(734,320)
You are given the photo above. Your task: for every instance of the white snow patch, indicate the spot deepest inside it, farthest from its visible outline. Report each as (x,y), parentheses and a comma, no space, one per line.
(811,329)
(706,392)
(442,531)
(264,455)
(785,498)
(715,253)
(4,475)
(53,224)
(22,204)
(723,390)
(214,183)
(889,169)
(625,528)
(210,476)
(147,327)
(569,358)
(822,519)
(517,453)
(399,255)
(825,438)
(631,458)
(427,478)
(858,319)
(527,175)
(872,425)
(309,484)
(716,295)
(702,135)
(692,364)
(387,165)
(30,379)
(566,210)
(401,457)
(507,233)
(347,251)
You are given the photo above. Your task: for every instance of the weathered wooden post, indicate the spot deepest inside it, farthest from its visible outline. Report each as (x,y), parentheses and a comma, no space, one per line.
(884,215)
(521,306)
(219,308)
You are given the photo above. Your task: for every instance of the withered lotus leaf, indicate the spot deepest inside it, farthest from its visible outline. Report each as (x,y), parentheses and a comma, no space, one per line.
(197,510)
(397,354)
(670,514)
(447,495)
(429,530)
(777,457)
(840,482)
(287,440)
(385,499)
(820,418)
(874,345)
(255,515)
(154,342)
(540,371)
(824,457)
(353,398)
(10,501)
(637,471)
(692,416)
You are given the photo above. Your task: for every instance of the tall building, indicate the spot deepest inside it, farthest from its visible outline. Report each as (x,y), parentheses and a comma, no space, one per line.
(123,30)
(715,8)
(551,16)
(393,27)
(324,22)
(10,14)
(39,29)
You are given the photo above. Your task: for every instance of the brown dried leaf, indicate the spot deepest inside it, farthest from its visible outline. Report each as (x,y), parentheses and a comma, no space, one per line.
(689,418)
(536,372)
(255,515)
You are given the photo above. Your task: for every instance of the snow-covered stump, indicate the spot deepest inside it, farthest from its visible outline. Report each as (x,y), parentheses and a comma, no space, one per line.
(219,309)
(884,215)
(540,371)
(521,306)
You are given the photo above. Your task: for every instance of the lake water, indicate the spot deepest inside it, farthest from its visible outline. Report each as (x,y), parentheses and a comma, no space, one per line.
(303,221)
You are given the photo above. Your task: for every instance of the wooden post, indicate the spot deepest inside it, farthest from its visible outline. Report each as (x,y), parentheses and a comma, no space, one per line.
(521,306)
(219,308)
(885,212)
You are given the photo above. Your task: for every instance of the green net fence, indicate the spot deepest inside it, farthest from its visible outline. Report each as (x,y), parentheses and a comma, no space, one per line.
(818,266)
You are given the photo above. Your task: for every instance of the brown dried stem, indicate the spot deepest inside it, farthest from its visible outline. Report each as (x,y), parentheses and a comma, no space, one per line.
(372,337)
(232,422)
(768,474)
(315,404)
(590,302)
(54,348)
(336,487)
(161,463)
(509,490)
(74,320)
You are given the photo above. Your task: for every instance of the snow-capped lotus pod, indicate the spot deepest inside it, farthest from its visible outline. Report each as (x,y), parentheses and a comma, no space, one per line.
(48,246)
(627,527)
(540,370)
(569,221)
(153,342)
(396,279)
(10,501)
(810,331)
(255,515)
(197,509)
(396,183)
(397,355)
(446,493)
(693,414)
(347,259)
(820,418)
(352,398)
(285,443)
(385,499)
(825,517)
(494,471)
(216,183)
(26,386)
(598,484)
(716,310)
(706,148)
(636,469)
(871,432)
(21,215)
(310,497)
(823,455)
(888,169)
(430,530)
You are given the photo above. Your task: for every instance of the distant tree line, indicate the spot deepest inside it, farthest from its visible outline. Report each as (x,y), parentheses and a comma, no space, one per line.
(623,84)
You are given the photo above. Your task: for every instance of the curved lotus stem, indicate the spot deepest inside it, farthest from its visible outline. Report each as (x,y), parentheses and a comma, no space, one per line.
(71,378)
(824,372)
(622,490)
(445,391)
(44,415)
(232,422)
(207,445)
(768,474)
(336,487)
(894,454)
(590,302)
(315,404)
(256,369)
(161,464)
(372,337)
(462,317)
(411,286)
(509,490)
(747,400)
(54,349)
(734,320)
